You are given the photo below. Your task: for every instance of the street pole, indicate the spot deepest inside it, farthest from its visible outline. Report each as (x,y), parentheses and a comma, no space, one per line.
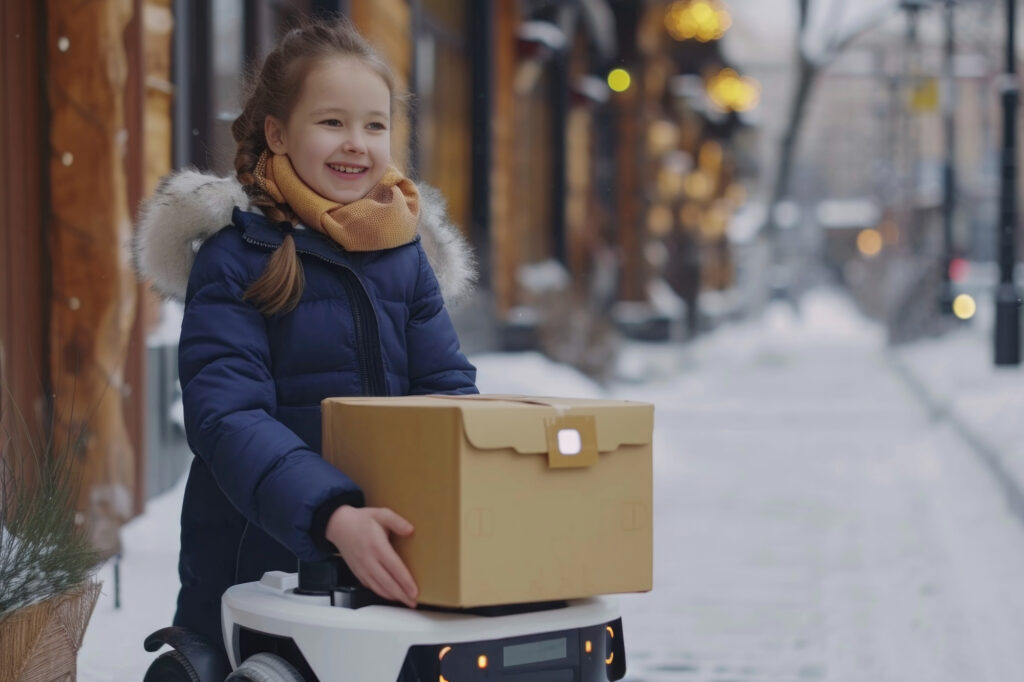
(909,228)
(1007,334)
(949,172)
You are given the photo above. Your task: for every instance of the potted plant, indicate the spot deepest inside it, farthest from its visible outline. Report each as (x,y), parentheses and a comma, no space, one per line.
(47,589)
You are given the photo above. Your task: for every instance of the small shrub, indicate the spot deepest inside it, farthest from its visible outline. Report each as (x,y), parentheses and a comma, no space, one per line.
(43,551)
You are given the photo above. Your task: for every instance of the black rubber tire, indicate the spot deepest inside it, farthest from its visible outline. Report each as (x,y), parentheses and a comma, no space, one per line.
(265,667)
(171,666)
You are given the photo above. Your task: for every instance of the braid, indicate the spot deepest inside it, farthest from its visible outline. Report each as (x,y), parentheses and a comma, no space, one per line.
(273,91)
(251,144)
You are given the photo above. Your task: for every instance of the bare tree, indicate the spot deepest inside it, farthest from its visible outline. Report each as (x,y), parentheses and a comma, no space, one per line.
(811,61)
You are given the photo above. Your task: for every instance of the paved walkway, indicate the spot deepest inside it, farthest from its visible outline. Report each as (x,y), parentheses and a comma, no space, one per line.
(815,521)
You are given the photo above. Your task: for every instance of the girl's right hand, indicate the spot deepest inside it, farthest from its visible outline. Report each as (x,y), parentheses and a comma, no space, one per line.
(361,536)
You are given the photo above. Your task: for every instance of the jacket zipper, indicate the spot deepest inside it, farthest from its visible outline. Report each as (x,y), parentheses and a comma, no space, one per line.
(371,371)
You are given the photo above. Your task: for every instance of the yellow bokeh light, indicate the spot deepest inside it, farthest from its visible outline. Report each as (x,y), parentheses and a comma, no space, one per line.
(481,662)
(710,157)
(714,222)
(964,306)
(704,20)
(662,137)
(619,80)
(698,185)
(659,220)
(730,91)
(869,242)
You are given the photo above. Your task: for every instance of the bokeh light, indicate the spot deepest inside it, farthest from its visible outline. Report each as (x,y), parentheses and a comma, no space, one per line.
(730,91)
(964,306)
(869,242)
(619,80)
(701,20)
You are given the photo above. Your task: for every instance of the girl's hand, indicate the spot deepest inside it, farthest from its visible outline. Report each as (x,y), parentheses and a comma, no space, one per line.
(361,536)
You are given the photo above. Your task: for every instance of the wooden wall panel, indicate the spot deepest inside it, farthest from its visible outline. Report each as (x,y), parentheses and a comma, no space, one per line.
(581,228)
(534,170)
(628,109)
(93,287)
(158,34)
(505,241)
(134,393)
(22,266)
(388,25)
(455,135)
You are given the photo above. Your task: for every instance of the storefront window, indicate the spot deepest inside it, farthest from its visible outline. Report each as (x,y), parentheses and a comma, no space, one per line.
(228,68)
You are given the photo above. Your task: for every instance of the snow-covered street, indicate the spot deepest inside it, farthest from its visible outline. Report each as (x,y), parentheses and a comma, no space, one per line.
(813,520)
(812,523)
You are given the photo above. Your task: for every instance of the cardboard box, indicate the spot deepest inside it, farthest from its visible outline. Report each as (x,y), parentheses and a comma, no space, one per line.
(514,499)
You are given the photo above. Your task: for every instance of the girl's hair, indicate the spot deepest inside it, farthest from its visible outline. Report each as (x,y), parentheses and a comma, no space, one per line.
(273,91)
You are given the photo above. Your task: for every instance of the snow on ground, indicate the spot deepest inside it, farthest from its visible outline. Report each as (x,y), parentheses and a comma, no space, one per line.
(531,374)
(112,650)
(813,522)
(958,375)
(761,571)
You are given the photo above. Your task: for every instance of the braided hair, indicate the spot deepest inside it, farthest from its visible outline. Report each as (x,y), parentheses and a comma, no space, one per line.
(274,91)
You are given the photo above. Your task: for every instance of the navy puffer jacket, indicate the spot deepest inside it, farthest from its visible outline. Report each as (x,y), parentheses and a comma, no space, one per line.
(367,324)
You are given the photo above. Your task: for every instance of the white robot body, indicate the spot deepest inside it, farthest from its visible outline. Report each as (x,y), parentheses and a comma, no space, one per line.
(383,642)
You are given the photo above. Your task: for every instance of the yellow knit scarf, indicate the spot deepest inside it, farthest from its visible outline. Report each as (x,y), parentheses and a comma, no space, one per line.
(385,218)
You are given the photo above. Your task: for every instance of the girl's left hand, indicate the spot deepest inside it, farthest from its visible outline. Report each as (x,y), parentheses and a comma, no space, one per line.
(362,538)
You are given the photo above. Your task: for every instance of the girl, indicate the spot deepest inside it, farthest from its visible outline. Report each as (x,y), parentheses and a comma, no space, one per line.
(319,286)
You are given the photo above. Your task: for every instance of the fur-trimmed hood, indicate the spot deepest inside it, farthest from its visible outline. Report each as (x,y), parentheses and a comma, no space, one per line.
(188,207)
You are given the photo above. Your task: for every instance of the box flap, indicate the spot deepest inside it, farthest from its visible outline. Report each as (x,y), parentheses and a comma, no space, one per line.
(520,422)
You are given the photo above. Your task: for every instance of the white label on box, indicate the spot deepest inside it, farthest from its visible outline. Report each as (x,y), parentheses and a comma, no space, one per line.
(569,442)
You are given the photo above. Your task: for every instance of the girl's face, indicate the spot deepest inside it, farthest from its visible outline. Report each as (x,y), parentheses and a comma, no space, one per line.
(338,135)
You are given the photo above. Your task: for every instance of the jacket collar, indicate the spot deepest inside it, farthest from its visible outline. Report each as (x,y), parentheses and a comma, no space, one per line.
(258,229)
(189,207)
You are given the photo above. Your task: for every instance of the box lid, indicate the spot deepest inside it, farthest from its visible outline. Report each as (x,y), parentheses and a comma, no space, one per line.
(524,423)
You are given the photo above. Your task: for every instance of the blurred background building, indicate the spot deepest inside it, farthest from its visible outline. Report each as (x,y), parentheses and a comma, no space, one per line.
(625,169)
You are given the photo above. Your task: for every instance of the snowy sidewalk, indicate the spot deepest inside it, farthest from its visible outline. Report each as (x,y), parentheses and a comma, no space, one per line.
(957,377)
(813,521)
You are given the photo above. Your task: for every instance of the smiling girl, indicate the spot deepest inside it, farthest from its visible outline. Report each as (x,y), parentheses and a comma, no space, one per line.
(318,286)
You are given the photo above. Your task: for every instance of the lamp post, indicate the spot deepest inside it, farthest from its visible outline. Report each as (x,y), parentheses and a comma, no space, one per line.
(1007,333)
(910,138)
(949,170)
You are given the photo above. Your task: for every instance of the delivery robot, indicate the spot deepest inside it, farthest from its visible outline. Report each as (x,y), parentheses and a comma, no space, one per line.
(304,627)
